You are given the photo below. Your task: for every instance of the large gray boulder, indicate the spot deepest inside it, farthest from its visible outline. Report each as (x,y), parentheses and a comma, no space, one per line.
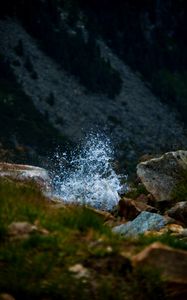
(161,175)
(26,173)
(146,221)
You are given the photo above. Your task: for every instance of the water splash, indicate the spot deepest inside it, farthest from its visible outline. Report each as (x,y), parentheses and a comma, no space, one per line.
(88,177)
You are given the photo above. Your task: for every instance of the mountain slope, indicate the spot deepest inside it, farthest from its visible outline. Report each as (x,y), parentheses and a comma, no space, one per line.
(137,119)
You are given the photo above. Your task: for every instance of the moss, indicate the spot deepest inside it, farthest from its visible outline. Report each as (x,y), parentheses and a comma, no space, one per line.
(179,192)
(136,190)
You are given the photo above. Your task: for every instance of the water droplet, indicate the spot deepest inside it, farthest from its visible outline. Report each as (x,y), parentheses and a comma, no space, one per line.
(89,178)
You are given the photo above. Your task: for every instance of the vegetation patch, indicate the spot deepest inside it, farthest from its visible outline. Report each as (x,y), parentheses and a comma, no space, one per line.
(166,239)
(77,257)
(179,192)
(136,190)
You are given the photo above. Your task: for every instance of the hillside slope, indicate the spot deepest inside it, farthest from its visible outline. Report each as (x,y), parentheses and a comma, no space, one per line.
(135,117)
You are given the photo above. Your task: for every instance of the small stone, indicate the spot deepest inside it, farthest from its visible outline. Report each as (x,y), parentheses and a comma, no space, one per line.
(184,232)
(145,221)
(79,271)
(109,249)
(175,228)
(155,233)
(6,297)
(21,228)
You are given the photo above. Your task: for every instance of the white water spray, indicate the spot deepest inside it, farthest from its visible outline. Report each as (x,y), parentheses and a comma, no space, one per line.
(90,178)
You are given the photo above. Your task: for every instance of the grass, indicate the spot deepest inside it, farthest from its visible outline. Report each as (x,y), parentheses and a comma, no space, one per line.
(37,267)
(166,239)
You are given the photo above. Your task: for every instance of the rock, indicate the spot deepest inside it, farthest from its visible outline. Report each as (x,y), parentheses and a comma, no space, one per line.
(184,233)
(172,264)
(6,297)
(143,198)
(179,212)
(130,209)
(161,175)
(79,271)
(25,172)
(22,230)
(19,228)
(145,221)
(173,229)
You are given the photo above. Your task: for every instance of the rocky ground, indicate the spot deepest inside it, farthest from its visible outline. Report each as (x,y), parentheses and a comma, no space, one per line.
(50,250)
